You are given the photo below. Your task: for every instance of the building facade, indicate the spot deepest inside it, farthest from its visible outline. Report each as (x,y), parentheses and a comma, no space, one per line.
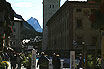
(49,8)
(15,39)
(70,26)
(6,22)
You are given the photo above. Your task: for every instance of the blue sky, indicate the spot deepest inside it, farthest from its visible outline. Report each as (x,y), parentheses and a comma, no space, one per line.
(30,8)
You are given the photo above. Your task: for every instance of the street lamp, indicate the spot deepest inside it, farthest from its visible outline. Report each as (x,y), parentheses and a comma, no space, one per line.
(84,54)
(83,51)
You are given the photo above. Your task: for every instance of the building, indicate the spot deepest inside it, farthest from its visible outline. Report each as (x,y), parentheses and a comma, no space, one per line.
(49,8)
(94,1)
(6,21)
(15,39)
(70,26)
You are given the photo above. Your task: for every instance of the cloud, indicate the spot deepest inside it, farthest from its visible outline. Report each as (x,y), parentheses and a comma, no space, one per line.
(23,4)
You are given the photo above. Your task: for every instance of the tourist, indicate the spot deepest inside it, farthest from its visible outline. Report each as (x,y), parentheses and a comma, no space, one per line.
(43,62)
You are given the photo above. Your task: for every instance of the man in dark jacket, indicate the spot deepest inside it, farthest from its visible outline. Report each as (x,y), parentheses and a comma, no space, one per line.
(56,62)
(43,62)
(19,61)
(13,60)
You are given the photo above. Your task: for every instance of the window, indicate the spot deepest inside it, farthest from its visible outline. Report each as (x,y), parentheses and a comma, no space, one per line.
(78,10)
(13,43)
(79,23)
(14,30)
(10,42)
(50,6)
(53,6)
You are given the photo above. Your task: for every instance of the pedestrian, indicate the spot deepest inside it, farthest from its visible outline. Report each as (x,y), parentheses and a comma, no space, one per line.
(43,62)
(6,56)
(56,61)
(19,61)
(3,56)
(13,60)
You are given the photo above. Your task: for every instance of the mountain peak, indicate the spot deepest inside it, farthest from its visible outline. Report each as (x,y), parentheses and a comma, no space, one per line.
(31,18)
(34,22)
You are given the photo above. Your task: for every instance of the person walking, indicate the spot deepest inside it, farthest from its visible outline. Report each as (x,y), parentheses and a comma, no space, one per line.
(56,61)
(43,62)
(6,56)
(19,61)
(13,61)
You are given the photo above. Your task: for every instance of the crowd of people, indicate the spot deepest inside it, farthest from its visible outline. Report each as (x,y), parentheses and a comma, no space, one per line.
(14,58)
(43,61)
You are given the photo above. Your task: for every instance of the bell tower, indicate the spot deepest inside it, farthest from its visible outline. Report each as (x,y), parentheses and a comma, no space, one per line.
(49,8)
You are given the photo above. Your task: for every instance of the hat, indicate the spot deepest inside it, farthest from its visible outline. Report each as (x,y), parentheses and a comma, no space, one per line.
(42,53)
(54,53)
(57,55)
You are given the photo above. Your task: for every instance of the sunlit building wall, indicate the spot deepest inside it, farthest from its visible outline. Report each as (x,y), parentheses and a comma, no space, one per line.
(71,23)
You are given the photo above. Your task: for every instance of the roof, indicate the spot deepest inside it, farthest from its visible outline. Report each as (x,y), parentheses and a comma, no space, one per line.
(17,19)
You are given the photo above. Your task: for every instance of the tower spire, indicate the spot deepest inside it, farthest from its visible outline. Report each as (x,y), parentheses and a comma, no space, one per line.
(49,9)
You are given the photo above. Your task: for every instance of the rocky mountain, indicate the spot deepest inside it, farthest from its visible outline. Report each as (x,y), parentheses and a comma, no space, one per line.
(27,30)
(35,24)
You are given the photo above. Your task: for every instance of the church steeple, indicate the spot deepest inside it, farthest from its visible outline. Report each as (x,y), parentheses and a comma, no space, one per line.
(49,8)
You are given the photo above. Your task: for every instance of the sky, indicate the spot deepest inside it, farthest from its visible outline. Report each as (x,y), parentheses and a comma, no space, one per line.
(31,8)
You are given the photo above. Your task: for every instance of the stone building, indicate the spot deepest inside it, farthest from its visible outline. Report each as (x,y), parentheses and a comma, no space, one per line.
(49,8)
(6,22)
(70,26)
(15,39)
